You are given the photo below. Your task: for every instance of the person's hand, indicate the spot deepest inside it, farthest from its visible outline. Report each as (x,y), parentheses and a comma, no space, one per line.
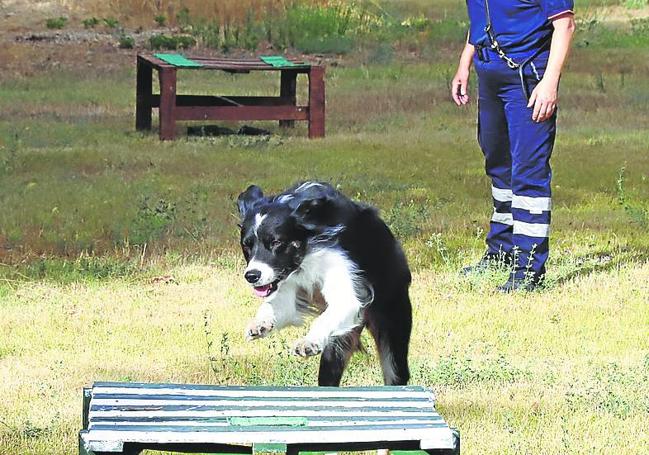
(460,86)
(544,100)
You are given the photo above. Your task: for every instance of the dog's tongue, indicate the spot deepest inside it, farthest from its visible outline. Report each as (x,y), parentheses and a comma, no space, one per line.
(262,291)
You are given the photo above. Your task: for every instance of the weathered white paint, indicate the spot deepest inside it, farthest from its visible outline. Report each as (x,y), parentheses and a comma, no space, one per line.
(261,403)
(253,413)
(323,392)
(311,424)
(435,437)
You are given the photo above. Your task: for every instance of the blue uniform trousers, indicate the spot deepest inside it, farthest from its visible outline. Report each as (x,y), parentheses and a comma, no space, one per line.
(517,158)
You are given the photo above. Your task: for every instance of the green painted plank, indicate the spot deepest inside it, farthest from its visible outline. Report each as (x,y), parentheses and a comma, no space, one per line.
(268,448)
(268,421)
(277,61)
(178,60)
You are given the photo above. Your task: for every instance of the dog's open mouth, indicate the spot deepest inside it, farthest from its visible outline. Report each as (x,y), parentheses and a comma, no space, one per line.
(266,290)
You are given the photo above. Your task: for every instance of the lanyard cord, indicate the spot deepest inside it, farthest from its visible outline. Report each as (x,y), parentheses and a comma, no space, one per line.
(494,43)
(510,62)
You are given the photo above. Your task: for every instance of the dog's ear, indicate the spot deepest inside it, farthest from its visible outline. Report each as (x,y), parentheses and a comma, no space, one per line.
(311,211)
(248,199)
(310,207)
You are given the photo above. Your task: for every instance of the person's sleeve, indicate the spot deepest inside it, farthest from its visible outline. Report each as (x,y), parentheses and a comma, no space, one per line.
(555,8)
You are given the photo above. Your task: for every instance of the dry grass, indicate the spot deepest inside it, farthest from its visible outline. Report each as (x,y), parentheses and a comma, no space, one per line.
(142,12)
(564,371)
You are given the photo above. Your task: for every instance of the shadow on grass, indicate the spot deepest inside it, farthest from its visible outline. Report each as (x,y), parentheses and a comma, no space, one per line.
(601,261)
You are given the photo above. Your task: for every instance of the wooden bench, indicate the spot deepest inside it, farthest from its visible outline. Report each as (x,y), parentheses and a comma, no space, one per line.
(130,417)
(173,107)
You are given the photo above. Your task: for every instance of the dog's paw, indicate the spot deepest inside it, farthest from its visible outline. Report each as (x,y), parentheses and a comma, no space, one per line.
(306,348)
(257,330)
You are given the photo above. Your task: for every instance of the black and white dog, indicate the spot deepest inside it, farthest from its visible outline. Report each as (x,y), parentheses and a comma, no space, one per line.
(312,250)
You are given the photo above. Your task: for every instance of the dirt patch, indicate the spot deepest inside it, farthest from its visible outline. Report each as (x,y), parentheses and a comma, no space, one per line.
(22,15)
(25,59)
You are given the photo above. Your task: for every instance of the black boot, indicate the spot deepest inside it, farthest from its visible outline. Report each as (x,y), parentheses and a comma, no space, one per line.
(530,283)
(487,262)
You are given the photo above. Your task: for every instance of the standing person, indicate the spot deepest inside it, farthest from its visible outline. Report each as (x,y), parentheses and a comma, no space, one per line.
(518,48)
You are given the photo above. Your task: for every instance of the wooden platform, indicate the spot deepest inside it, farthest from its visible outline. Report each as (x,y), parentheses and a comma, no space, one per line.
(130,417)
(174,108)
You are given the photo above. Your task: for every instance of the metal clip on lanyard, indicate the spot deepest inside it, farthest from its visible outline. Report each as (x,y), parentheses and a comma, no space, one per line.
(503,56)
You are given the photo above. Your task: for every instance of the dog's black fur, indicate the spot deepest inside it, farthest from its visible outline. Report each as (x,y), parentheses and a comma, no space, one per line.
(282,230)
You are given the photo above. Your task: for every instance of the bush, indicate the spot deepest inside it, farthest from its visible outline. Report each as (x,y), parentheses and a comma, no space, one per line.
(185,41)
(168,42)
(183,18)
(640,26)
(160,19)
(126,42)
(152,221)
(111,22)
(91,22)
(56,23)
(318,29)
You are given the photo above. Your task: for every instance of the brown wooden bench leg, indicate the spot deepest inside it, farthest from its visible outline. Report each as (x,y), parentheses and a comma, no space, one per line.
(287,90)
(167,103)
(144,91)
(316,102)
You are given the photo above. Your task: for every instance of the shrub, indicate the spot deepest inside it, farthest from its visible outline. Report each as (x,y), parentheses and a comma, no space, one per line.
(162,41)
(152,221)
(56,23)
(183,18)
(126,42)
(91,22)
(640,26)
(111,22)
(160,19)
(209,35)
(318,29)
(185,41)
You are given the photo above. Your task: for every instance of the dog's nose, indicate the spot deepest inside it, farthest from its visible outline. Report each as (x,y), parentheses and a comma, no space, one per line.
(252,276)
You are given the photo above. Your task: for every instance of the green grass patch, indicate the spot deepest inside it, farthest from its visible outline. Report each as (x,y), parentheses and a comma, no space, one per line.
(56,23)
(85,268)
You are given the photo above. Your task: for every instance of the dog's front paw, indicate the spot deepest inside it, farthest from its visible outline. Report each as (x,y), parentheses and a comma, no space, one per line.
(306,348)
(258,329)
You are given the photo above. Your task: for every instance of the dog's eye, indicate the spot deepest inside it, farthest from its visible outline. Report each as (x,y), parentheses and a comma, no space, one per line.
(275,243)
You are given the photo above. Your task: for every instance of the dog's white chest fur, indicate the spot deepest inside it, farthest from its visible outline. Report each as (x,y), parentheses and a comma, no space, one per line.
(327,272)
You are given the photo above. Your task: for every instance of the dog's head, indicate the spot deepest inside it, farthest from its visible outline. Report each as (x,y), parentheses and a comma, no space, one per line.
(276,233)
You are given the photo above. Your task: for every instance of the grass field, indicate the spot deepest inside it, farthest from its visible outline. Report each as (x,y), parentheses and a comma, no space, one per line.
(119,261)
